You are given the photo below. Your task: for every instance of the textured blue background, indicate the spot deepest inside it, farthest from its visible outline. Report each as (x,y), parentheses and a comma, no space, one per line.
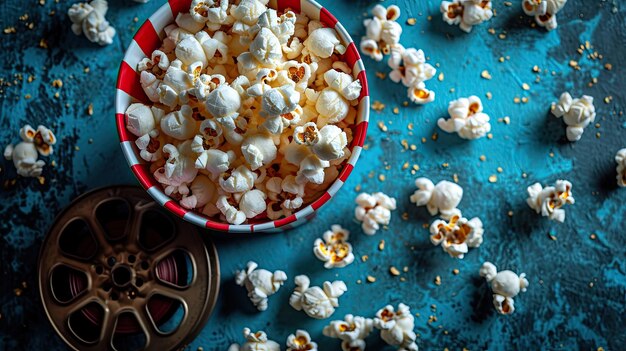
(577,293)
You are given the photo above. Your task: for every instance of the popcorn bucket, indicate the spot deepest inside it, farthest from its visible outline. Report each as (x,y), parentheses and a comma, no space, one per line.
(148,38)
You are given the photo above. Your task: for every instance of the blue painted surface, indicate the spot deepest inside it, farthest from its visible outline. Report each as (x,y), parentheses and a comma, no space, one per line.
(577,293)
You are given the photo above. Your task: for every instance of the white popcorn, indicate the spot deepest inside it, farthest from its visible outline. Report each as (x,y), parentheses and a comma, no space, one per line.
(140,119)
(258,150)
(285,192)
(237,181)
(409,67)
(255,342)
(215,12)
(620,159)
(307,134)
(185,21)
(331,143)
(88,19)
(216,47)
(178,170)
(149,145)
(215,161)
(334,249)
(420,95)
(252,203)
(333,103)
(505,286)
(373,210)
(266,48)
(300,341)
(223,103)
(466,13)
(25,154)
(352,332)
(157,63)
(260,283)
(227,206)
(457,235)
(323,43)
(277,105)
(180,124)
(297,73)
(549,200)
(577,114)
(466,118)
(544,11)
(201,191)
(150,85)
(316,302)
(382,32)
(443,197)
(246,14)
(175,85)
(312,170)
(189,50)
(283,27)
(396,327)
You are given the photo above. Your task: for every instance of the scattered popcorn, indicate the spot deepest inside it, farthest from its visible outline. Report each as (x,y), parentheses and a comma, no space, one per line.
(620,158)
(25,154)
(88,19)
(410,67)
(260,283)
(352,332)
(396,327)
(577,114)
(373,210)
(544,11)
(457,235)
(316,302)
(259,102)
(382,32)
(466,13)
(441,198)
(334,249)
(255,342)
(505,286)
(549,200)
(300,341)
(466,118)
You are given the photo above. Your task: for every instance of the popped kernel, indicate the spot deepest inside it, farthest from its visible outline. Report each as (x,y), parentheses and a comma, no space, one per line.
(505,286)
(549,201)
(577,114)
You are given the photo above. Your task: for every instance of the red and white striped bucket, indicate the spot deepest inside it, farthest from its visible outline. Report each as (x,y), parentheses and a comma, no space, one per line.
(148,38)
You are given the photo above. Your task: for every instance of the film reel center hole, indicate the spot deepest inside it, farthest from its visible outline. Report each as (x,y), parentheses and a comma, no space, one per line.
(121,275)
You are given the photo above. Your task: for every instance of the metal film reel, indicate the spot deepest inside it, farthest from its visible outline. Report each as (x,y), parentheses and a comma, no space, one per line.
(118,272)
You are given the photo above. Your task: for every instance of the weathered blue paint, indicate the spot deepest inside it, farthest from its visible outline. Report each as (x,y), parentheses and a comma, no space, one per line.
(561,310)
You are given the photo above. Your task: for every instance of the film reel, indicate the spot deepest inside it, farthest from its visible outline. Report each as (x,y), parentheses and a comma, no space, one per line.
(118,272)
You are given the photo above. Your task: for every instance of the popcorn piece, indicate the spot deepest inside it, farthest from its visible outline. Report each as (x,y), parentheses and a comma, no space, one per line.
(178,170)
(215,12)
(88,19)
(332,141)
(258,150)
(457,235)
(150,145)
(201,192)
(240,180)
(467,118)
(223,103)
(189,50)
(620,158)
(180,124)
(246,14)
(316,302)
(300,341)
(283,27)
(466,13)
(409,67)
(175,86)
(323,43)
(157,64)
(297,74)
(334,250)
(373,210)
(549,200)
(544,11)
(505,286)
(352,332)
(576,113)
(396,327)
(307,134)
(382,32)
(255,342)
(140,119)
(286,193)
(260,283)
(443,197)
(420,95)
(333,103)
(24,155)
(311,170)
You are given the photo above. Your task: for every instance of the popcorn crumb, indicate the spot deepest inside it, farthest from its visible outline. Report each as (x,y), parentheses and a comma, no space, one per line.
(394,271)
(370,279)
(485,74)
